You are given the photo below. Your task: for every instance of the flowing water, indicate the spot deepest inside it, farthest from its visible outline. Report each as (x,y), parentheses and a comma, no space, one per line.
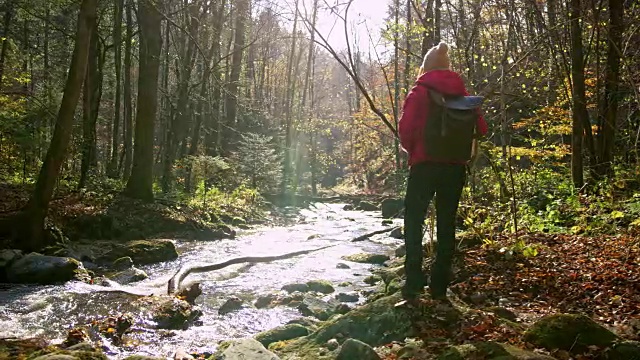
(50,311)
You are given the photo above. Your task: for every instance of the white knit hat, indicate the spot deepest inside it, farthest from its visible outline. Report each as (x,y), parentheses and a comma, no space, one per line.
(436,58)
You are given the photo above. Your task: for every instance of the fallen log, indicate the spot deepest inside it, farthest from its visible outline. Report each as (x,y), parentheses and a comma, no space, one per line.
(174,283)
(368,235)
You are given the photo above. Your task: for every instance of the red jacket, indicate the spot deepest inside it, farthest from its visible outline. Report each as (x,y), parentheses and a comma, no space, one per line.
(416,108)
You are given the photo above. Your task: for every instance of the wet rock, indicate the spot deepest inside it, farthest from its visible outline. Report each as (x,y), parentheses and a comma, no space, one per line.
(122,263)
(112,327)
(8,256)
(355,349)
(571,332)
(248,349)
(41,269)
(189,292)
(392,207)
(321,286)
(129,276)
(342,266)
(345,284)
(281,333)
(397,233)
(264,301)
(333,344)
(348,207)
(290,288)
(347,297)
(401,251)
(169,312)
(366,206)
(372,279)
(317,308)
(234,303)
(386,222)
(144,252)
(489,351)
(83,346)
(366,258)
(143,357)
(181,354)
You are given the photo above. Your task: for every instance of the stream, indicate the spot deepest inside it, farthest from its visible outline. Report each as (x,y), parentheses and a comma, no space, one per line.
(50,311)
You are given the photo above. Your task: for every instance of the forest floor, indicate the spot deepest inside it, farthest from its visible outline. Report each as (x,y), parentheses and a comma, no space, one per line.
(105,214)
(595,276)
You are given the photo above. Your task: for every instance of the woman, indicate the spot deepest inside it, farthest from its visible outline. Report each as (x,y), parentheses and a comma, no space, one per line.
(428,176)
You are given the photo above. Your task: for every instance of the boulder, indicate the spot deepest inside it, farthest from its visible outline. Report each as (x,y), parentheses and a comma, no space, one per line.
(234,303)
(333,344)
(347,297)
(308,322)
(342,266)
(392,207)
(129,276)
(367,258)
(372,279)
(281,333)
(8,256)
(355,349)
(321,286)
(122,263)
(290,288)
(401,251)
(571,332)
(144,252)
(264,301)
(369,323)
(317,308)
(41,269)
(397,233)
(169,312)
(366,206)
(627,350)
(248,349)
(489,351)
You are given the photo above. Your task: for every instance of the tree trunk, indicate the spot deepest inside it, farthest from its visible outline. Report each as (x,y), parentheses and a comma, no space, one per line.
(90,105)
(286,169)
(140,183)
(127,149)
(231,105)
(38,205)
(179,123)
(8,14)
(213,119)
(609,109)
(112,170)
(579,108)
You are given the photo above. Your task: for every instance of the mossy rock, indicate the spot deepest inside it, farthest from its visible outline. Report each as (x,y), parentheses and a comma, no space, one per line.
(353,349)
(489,351)
(571,332)
(394,286)
(143,357)
(628,350)
(72,355)
(41,269)
(372,279)
(144,252)
(291,288)
(366,258)
(282,333)
(375,324)
(321,286)
(248,349)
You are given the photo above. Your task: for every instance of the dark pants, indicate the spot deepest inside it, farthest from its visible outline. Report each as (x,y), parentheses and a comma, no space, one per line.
(426,180)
